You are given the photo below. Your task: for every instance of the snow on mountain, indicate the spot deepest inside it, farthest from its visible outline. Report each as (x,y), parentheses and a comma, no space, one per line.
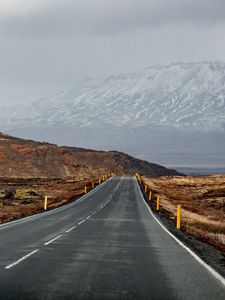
(179,97)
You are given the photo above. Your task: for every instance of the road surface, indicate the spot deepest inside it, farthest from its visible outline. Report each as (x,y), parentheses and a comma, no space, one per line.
(106,245)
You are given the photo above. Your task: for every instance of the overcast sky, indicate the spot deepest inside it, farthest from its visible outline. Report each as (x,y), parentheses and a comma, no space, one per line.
(48,45)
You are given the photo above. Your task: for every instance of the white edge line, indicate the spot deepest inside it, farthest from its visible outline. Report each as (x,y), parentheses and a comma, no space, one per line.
(49,242)
(71,228)
(21,259)
(196,257)
(57,209)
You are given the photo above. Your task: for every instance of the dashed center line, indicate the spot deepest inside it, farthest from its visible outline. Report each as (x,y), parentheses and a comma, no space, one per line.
(73,227)
(21,259)
(81,222)
(59,236)
(49,242)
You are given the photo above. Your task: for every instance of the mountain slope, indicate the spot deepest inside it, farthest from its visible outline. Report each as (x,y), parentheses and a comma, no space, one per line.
(178,95)
(184,101)
(25,158)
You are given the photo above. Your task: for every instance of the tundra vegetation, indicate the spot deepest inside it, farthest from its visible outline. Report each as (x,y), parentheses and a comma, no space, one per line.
(202,199)
(20,197)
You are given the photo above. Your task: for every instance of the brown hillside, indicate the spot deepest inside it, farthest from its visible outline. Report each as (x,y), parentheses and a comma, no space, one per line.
(26,158)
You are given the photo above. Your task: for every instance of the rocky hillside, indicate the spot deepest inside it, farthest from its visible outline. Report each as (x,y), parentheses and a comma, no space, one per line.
(26,158)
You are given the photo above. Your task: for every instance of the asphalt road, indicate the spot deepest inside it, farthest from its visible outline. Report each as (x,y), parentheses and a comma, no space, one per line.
(106,245)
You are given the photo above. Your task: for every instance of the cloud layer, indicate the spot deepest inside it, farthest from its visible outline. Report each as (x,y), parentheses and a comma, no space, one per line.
(73,17)
(48,45)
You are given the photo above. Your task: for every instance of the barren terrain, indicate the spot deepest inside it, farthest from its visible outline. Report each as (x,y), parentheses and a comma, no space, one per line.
(24,159)
(21,197)
(202,200)
(31,170)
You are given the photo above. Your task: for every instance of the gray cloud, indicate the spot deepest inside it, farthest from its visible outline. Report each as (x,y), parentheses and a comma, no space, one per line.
(68,18)
(52,44)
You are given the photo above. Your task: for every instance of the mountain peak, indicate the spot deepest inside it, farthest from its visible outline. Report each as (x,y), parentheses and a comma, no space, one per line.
(184,95)
(188,97)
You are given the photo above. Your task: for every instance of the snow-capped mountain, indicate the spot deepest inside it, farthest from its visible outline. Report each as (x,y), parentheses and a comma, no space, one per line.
(187,98)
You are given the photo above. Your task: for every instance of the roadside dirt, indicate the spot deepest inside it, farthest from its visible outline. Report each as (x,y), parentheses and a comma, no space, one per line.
(20,197)
(202,200)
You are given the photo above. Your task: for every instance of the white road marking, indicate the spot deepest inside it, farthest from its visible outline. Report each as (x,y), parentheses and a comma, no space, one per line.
(109,199)
(70,229)
(57,209)
(49,242)
(196,257)
(88,217)
(81,222)
(21,259)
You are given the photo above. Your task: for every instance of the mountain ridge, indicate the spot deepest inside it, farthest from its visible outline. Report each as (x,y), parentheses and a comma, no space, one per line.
(28,158)
(151,87)
(181,100)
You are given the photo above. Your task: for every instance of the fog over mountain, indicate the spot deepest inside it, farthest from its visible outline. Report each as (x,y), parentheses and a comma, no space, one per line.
(170,114)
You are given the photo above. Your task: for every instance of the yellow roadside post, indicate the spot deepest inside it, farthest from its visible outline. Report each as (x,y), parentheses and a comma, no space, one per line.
(93,185)
(178,216)
(157,203)
(150,196)
(45,202)
(99,180)
(85,189)
(146,188)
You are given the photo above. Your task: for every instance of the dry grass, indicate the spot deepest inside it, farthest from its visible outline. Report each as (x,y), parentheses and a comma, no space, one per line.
(203,204)
(22,197)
